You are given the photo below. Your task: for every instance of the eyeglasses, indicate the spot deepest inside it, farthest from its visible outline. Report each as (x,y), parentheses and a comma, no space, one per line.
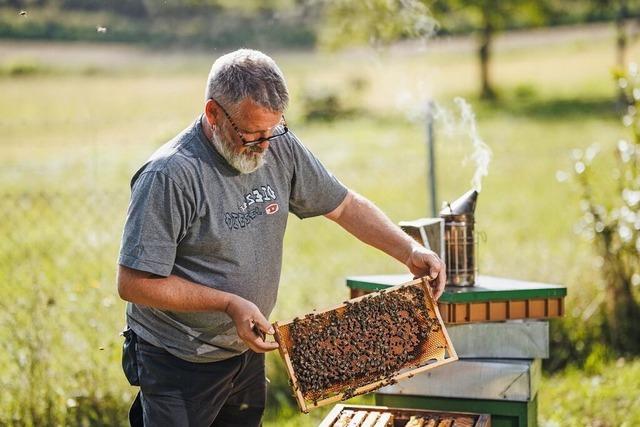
(254,142)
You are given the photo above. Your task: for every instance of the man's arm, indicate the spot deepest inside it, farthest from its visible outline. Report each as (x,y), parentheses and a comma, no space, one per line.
(368,223)
(177,294)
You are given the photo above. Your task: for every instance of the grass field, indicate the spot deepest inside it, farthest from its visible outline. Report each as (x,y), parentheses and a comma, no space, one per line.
(82,118)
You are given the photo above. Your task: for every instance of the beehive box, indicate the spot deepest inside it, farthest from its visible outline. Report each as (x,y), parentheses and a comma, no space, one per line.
(382,416)
(492,299)
(496,311)
(363,344)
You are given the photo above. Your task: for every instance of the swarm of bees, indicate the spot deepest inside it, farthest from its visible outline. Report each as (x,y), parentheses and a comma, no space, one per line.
(360,343)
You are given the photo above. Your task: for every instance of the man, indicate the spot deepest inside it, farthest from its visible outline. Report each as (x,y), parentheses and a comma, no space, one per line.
(202,248)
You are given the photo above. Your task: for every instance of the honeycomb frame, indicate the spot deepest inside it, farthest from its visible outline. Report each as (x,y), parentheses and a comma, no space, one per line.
(436,350)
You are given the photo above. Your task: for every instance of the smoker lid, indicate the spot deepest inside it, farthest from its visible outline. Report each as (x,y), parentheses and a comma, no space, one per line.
(466,204)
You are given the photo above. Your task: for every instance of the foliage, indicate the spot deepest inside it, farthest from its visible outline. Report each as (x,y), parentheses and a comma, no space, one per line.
(23,67)
(499,15)
(287,23)
(338,102)
(611,221)
(376,22)
(164,25)
(58,317)
(594,10)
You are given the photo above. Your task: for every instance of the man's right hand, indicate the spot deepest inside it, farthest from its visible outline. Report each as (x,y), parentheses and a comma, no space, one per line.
(246,317)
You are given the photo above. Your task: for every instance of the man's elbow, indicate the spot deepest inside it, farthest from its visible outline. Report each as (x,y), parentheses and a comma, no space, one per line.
(124,283)
(122,289)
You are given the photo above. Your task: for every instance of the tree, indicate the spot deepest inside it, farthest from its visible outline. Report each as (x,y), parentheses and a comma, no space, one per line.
(487,18)
(385,21)
(618,11)
(622,11)
(376,22)
(621,33)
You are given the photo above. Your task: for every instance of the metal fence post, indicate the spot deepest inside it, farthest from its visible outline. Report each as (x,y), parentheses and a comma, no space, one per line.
(431,158)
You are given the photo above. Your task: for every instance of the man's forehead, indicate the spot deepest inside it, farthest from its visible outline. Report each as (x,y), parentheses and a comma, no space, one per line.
(253,117)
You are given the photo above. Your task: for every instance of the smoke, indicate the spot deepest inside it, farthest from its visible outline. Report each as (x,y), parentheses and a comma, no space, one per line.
(481,155)
(452,124)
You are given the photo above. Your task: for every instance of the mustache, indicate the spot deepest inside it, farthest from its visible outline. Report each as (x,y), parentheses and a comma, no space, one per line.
(256,149)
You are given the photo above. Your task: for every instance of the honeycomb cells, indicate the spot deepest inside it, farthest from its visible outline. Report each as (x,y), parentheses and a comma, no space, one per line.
(362,342)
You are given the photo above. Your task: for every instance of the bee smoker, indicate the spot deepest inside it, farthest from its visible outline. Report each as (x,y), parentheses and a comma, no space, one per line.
(459,237)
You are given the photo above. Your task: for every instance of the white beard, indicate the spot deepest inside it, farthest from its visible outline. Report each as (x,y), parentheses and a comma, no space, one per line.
(245,162)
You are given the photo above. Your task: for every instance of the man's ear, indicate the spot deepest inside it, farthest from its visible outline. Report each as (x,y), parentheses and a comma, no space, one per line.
(211,111)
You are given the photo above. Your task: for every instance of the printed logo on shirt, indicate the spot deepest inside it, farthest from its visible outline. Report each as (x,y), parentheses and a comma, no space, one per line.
(258,195)
(237,220)
(272,208)
(248,209)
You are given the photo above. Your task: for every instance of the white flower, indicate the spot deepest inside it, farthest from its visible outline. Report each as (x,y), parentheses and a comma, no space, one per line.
(576,154)
(562,176)
(625,233)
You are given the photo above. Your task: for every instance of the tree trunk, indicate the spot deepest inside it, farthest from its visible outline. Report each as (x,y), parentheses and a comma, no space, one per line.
(621,46)
(484,53)
(621,35)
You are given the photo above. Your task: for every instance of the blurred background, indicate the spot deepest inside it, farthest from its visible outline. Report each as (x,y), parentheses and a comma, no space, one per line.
(90,88)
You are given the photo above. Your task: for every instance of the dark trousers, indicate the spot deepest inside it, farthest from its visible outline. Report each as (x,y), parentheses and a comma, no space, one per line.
(174,392)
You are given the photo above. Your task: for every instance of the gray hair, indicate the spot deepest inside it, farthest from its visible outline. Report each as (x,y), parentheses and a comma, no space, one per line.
(247,73)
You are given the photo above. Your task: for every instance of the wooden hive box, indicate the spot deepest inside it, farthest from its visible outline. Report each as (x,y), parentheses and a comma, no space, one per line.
(383,416)
(491,299)
(363,344)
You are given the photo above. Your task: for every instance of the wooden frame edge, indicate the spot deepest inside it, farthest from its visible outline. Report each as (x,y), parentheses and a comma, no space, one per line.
(331,417)
(284,354)
(450,349)
(352,300)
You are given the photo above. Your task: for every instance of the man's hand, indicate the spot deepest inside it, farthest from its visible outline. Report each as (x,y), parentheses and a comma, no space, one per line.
(248,320)
(424,262)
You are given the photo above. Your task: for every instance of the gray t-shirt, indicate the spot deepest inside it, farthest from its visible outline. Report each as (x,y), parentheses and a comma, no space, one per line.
(193,215)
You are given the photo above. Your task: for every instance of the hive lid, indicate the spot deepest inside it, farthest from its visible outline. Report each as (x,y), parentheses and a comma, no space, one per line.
(420,222)
(487,288)
(464,205)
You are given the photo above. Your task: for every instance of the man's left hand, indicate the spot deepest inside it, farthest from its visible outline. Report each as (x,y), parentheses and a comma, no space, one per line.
(424,262)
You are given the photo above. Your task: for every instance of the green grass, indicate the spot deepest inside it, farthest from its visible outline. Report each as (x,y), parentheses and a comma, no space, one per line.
(69,132)
(609,397)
